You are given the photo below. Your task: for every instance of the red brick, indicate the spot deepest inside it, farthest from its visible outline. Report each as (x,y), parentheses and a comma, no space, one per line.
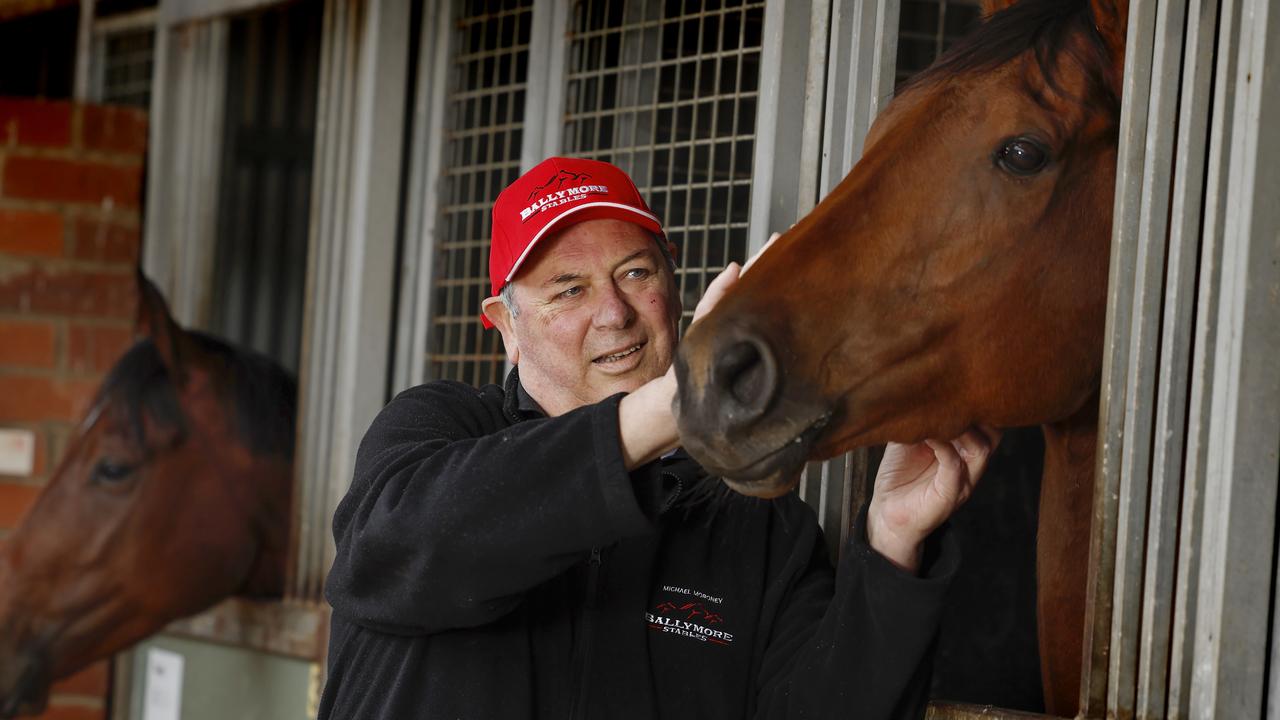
(95,348)
(15,500)
(31,232)
(33,398)
(72,712)
(97,238)
(30,344)
(67,291)
(90,681)
(35,123)
(79,181)
(114,129)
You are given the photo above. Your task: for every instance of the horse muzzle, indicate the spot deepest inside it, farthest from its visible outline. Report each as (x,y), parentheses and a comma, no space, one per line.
(734,415)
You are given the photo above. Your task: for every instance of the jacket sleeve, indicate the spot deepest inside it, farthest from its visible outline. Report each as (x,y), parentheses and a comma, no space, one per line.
(856,645)
(447,524)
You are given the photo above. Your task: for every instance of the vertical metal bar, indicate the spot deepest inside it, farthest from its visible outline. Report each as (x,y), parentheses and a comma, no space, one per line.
(84,44)
(1144,356)
(1229,678)
(814,94)
(1133,126)
(783,71)
(1192,523)
(544,104)
(1155,670)
(888,13)
(422,226)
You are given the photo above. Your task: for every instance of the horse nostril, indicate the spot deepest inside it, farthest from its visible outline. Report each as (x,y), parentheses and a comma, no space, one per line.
(746,378)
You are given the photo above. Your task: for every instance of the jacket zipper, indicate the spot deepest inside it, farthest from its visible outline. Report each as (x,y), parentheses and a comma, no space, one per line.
(588,627)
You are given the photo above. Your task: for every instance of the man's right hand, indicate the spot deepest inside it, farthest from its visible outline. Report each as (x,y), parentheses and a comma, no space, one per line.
(645,423)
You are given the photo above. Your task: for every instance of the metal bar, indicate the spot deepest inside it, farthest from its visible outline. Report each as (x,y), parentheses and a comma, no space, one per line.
(145,18)
(1128,199)
(783,70)
(1156,640)
(1203,367)
(1229,678)
(422,223)
(814,93)
(1144,359)
(324,294)
(544,108)
(962,711)
(84,42)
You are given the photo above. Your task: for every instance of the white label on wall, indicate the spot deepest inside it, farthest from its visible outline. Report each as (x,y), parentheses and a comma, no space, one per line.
(164,686)
(17,452)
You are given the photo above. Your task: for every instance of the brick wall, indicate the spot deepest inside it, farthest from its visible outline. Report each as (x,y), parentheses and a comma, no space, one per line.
(70,189)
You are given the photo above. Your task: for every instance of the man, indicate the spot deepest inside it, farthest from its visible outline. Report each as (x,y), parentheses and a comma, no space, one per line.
(538,550)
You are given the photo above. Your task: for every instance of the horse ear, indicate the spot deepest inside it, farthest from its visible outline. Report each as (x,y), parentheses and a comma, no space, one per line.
(1111,17)
(154,321)
(991,7)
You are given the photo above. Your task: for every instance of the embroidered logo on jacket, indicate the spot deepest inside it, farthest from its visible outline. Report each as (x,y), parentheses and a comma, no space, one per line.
(689,618)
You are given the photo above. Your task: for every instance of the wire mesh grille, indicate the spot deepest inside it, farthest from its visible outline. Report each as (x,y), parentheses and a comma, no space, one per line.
(667,92)
(926,28)
(485,113)
(127,57)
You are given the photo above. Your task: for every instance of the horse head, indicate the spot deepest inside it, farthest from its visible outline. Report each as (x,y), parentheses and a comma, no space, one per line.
(957,275)
(173,493)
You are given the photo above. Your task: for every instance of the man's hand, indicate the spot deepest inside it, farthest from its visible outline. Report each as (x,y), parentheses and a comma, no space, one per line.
(645,422)
(919,486)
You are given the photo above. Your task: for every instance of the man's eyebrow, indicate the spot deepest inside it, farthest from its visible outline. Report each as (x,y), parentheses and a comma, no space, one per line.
(563,278)
(632,256)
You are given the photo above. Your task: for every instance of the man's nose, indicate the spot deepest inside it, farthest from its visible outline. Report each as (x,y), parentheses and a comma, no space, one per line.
(613,310)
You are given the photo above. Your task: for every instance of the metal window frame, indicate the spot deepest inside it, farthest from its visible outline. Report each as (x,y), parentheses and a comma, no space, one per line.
(145,19)
(185,141)
(347,330)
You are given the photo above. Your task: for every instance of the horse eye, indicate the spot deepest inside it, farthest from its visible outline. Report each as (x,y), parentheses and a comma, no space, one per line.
(1022,156)
(107,472)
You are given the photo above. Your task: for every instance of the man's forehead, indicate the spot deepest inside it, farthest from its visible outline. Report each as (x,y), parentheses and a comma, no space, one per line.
(583,249)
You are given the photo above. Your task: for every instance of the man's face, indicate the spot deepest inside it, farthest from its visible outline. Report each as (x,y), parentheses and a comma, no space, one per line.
(597,315)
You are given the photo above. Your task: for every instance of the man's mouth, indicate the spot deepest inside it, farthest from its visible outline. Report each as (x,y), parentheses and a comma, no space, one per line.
(619,355)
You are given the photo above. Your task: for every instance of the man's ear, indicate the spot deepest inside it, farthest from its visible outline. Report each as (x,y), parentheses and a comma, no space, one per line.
(496,311)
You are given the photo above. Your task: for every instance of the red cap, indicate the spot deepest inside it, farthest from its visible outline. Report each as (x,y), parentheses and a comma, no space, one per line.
(556,193)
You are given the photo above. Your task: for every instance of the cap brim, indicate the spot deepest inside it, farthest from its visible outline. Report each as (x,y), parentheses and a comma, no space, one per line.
(575,215)
(616,211)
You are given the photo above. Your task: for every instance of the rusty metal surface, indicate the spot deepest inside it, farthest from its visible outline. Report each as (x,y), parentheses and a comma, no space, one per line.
(961,711)
(292,629)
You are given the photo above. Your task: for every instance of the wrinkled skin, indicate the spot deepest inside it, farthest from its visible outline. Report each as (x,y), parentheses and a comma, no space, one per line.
(934,289)
(129,535)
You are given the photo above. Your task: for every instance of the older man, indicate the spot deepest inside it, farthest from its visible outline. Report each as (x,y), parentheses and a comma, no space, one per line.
(538,550)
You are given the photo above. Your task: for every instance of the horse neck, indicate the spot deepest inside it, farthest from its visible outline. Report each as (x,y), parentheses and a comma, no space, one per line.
(1062,552)
(273,480)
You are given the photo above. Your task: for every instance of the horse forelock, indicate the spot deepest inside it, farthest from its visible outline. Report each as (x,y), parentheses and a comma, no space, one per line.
(139,388)
(1047,29)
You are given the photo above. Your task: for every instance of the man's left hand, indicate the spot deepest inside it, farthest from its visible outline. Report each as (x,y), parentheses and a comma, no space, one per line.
(919,486)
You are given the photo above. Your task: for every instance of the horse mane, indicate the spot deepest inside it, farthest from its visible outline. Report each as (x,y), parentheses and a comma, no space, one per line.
(259,394)
(1044,28)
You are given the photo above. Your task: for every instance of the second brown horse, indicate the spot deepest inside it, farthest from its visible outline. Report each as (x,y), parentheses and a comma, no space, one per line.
(957,276)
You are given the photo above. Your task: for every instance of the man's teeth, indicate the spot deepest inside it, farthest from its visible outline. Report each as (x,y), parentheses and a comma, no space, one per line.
(619,356)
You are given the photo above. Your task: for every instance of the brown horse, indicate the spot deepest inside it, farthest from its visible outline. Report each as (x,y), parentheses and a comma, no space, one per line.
(173,495)
(957,276)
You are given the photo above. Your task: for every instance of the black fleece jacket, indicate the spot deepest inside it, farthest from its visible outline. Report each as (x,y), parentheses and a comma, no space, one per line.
(494,563)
